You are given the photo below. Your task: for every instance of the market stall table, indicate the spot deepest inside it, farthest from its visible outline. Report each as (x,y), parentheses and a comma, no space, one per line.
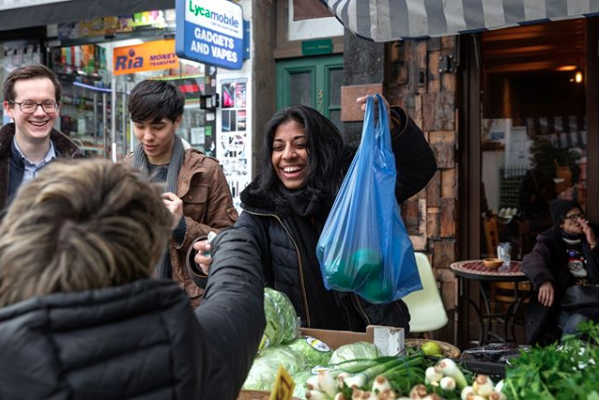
(475,270)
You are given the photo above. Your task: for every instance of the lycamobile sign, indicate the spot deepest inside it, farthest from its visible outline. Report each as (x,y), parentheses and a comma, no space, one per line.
(212,32)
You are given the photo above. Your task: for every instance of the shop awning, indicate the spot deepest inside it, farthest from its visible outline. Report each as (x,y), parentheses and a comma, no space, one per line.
(388,20)
(29,13)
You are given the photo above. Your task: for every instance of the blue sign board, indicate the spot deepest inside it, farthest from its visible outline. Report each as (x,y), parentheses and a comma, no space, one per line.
(210,32)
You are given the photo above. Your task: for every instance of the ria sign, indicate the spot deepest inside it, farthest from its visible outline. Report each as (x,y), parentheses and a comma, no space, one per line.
(212,32)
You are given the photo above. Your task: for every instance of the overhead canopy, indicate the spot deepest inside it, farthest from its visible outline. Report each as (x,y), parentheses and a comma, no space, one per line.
(29,13)
(389,20)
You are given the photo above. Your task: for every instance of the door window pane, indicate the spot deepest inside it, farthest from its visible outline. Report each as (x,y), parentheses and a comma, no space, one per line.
(300,88)
(335,82)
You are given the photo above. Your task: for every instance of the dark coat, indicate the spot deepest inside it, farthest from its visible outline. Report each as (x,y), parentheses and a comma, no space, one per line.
(285,262)
(548,262)
(231,314)
(137,341)
(64,147)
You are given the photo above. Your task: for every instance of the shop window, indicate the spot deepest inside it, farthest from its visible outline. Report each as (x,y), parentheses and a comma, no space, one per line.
(84,63)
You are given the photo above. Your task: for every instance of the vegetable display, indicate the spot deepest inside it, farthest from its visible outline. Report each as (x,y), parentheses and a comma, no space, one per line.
(565,370)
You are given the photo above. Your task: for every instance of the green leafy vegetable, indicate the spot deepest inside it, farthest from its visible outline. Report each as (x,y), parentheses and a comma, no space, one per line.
(352,351)
(266,365)
(315,351)
(569,370)
(282,322)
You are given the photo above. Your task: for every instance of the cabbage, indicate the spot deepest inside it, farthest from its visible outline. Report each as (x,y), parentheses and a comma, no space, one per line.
(315,351)
(353,351)
(264,370)
(282,322)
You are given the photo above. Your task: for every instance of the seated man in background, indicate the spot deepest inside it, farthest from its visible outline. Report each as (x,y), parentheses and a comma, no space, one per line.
(564,258)
(80,317)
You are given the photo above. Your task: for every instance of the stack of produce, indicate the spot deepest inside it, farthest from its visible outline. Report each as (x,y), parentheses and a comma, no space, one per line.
(282,345)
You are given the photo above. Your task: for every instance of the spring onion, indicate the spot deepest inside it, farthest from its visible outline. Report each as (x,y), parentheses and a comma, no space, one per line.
(448,367)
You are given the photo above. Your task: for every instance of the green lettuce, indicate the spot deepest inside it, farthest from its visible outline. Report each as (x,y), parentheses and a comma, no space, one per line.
(282,322)
(264,370)
(353,351)
(315,351)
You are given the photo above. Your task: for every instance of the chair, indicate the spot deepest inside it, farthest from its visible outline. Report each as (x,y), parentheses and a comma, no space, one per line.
(502,293)
(426,306)
(491,235)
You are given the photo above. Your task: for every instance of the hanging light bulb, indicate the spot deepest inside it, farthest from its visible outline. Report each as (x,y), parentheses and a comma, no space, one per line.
(578,77)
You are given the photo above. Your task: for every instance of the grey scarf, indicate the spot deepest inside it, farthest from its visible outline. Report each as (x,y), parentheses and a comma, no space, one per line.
(140,162)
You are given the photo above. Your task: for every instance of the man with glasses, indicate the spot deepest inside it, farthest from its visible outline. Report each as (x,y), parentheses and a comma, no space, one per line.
(32,99)
(565,259)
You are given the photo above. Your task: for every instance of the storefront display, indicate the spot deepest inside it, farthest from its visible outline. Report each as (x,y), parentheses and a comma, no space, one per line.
(99,62)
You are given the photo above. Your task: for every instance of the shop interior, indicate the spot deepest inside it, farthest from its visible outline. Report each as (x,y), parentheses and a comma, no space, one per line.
(533,136)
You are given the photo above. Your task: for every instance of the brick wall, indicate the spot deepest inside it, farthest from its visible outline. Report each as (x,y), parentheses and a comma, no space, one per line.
(420,76)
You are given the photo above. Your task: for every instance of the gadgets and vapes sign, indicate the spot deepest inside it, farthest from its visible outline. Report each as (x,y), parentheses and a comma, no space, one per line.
(212,32)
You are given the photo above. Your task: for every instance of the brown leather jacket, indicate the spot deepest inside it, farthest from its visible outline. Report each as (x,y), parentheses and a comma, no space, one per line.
(207,206)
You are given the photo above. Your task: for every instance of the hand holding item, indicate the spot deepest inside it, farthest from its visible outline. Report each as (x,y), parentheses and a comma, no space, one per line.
(362,101)
(203,257)
(590,235)
(546,293)
(174,205)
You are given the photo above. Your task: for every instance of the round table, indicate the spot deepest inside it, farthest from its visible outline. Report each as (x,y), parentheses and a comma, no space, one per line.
(476,270)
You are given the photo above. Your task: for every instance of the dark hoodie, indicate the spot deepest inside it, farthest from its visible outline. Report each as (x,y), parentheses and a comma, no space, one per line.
(548,262)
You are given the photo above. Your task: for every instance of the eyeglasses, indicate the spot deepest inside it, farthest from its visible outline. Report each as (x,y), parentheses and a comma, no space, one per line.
(574,217)
(29,107)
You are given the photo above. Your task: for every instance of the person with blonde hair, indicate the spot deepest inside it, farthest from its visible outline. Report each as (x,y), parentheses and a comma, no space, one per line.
(80,315)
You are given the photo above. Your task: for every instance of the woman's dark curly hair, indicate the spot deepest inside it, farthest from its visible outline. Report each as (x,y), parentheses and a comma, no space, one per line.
(325,148)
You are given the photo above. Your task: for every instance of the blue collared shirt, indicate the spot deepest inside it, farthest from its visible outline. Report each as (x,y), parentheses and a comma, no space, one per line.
(31,169)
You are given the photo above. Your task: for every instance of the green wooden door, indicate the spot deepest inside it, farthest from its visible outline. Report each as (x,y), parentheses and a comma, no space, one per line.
(312,81)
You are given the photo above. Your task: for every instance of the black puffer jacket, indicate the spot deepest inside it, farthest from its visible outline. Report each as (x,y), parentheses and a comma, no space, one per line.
(138,341)
(286,263)
(547,262)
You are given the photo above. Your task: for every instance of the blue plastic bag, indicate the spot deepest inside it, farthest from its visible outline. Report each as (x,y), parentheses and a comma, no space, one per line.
(364,246)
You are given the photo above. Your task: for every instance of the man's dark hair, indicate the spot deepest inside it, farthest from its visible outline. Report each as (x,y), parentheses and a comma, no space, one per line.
(325,147)
(154,100)
(34,71)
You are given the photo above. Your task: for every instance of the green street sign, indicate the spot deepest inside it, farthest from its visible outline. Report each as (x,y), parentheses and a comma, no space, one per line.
(319,46)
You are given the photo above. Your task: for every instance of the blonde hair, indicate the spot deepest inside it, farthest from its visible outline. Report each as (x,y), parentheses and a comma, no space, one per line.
(81,225)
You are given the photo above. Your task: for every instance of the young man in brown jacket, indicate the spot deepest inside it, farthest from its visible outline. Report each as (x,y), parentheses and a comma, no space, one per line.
(195,189)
